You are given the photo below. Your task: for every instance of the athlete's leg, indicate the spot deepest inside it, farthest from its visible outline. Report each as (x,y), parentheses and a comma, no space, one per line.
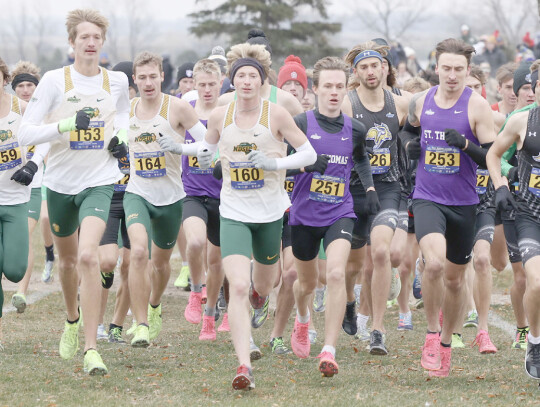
(22,288)
(69,274)
(45,225)
(483,281)
(195,237)
(285,297)
(531,298)
(214,277)
(499,253)
(122,303)
(405,268)
(139,277)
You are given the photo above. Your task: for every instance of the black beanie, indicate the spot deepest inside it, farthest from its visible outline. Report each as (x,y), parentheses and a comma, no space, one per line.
(185,71)
(256,36)
(127,68)
(522,76)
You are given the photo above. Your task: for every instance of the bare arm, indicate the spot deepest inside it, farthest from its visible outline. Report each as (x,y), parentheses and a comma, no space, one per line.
(289,102)
(415,108)
(482,119)
(226,98)
(402,108)
(346,106)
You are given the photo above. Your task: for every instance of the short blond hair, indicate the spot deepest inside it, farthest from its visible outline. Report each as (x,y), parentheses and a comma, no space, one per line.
(415,85)
(5,71)
(208,66)
(255,51)
(76,17)
(145,58)
(369,45)
(329,64)
(26,67)
(535,65)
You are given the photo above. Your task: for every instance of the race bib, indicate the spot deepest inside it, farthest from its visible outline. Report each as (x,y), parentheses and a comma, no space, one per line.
(326,188)
(442,160)
(244,175)
(194,168)
(380,160)
(121,185)
(289,185)
(30,152)
(482,179)
(150,165)
(92,138)
(534,181)
(10,156)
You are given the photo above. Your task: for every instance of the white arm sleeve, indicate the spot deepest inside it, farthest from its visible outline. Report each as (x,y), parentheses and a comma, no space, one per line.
(198,131)
(305,155)
(191,148)
(41,152)
(211,147)
(121,118)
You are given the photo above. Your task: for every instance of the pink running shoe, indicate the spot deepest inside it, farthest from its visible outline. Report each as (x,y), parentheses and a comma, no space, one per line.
(224,327)
(327,364)
(203,297)
(446,358)
(431,356)
(300,339)
(243,379)
(484,343)
(208,331)
(194,308)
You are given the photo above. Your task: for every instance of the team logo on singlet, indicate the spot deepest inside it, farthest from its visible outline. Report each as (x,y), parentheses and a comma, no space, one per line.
(379,133)
(134,127)
(245,147)
(91,111)
(537,158)
(5,135)
(73,99)
(146,138)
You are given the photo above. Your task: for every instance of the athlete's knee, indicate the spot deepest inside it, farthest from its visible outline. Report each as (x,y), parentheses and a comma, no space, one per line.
(15,269)
(396,257)
(380,254)
(335,276)
(455,282)
(482,263)
(288,277)
(68,263)
(499,262)
(88,258)
(433,269)
(107,264)
(195,244)
(239,288)
(139,254)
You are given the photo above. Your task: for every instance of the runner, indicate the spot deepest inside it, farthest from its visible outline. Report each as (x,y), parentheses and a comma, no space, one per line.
(505,79)
(445,199)
(250,132)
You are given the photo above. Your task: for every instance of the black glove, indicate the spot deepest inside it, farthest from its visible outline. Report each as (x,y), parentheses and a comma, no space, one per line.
(218,172)
(82,120)
(413,149)
(118,150)
(319,165)
(373,206)
(504,199)
(513,175)
(454,139)
(25,175)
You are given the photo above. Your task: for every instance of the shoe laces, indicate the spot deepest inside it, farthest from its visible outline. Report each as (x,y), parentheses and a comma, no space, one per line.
(116,333)
(350,312)
(377,336)
(277,343)
(325,355)
(432,341)
(521,335)
(302,333)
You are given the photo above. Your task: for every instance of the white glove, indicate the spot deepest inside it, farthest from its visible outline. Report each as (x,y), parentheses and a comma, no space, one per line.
(262,161)
(204,156)
(167,144)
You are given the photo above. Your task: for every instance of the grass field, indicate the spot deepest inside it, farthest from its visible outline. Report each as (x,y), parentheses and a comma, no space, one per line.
(181,371)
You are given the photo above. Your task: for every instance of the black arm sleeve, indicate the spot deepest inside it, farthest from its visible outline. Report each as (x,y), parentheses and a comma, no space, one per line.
(362,165)
(291,173)
(363,169)
(478,153)
(408,133)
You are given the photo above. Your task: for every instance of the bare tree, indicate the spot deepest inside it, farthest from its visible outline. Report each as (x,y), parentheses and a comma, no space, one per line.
(140,25)
(19,29)
(510,17)
(41,26)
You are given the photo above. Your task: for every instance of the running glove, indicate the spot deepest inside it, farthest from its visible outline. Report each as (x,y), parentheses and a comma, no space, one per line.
(25,174)
(218,171)
(454,139)
(79,121)
(513,175)
(373,206)
(262,161)
(504,199)
(204,157)
(319,165)
(167,144)
(413,149)
(118,149)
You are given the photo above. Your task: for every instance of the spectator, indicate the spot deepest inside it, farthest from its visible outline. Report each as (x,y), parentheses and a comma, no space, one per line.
(466,35)
(167,74)
(493,54)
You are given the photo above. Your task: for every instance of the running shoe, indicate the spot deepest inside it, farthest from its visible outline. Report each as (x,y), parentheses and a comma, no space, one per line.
(69,342)
(221,303)
(395,285)
(204,295)
(312,333)
(47,274)
(278,347)
(154,321)
(419,304)
(300,339)
(194,308)
(357,292)
(208,330)
(224,327)
(319,301)
(260,315)
(217,314)
(363,334)
(19,302)
(141,337)
(132,329)
(417,282)
(93,364)
(107,279)
(327,364)
(484,343)
(349,319)
(457,341)
(115,335)
(256,300)
(472,320)
(521,341)
(243,379)
(254,351)
(376,344)
(101,333)
(405,322)
(431,352)
(446,358)
(182,279)
(532,360)
(391,303)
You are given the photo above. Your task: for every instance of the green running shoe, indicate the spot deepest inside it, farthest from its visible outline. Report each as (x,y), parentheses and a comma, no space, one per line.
(115,335)
(182,280)
(259,316)
(154,321)
(319,300)
(521,340)
(472,320)
(278,347)
(19,301)
(141,337)
(107,279)
(93,364)
(131,330)
(457,341)
(69,342)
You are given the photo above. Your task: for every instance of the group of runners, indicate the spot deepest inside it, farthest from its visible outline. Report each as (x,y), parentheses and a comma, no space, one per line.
(324,186)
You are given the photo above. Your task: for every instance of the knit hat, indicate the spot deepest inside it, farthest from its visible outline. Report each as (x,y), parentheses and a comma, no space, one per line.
(522,76)
(293,70)
(185,71)
(256,36)
(127,68)
(218,56)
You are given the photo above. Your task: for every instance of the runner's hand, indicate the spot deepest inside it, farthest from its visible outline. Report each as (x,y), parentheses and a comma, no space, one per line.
(204,157)
(413,149)
(454,139)
(79,121)
(373,206)
(262,161)
(504,199)
(25,175)
(320,164)
(167,143)
(218,171)
(117,149)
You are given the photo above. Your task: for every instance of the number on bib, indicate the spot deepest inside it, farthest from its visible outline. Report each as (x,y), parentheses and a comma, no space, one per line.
(380,160)
(10,156)
(194,167)
(91,139)
(121,185)
(326,188)
(482,179)
(244,175)
(534,181)
(289,185)
(442,160)
(150,165)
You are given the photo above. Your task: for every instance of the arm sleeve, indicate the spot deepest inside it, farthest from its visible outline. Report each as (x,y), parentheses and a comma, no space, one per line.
(121,118)
(191,148)
(478,153)
(505,165)
(363,169)
(305,155)
(408,133)
(198,131)
(40,153)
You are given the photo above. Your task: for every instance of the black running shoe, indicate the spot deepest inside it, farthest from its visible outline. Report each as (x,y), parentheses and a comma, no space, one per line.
(532,360)
(107,279)
(376,344)
(349,320)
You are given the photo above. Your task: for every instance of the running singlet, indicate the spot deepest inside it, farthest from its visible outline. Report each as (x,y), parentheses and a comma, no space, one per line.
(445,175)
(251,194)
(320,200)
(11,157)
(529,166)
(198,181)
(154,175)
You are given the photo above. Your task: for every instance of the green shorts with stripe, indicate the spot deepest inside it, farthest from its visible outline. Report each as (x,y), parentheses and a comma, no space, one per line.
(66,212)
(34,205)
(262,240)
(162,223)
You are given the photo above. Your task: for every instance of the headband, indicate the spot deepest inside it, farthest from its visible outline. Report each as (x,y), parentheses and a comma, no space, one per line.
(23,77)
(369,53)
(239,63)
(534,79)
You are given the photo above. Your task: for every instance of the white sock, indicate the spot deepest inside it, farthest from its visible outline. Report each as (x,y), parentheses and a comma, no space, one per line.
(362,320)
(357,287)
(328,348)
(535,340)
(303,319)
(320,290)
